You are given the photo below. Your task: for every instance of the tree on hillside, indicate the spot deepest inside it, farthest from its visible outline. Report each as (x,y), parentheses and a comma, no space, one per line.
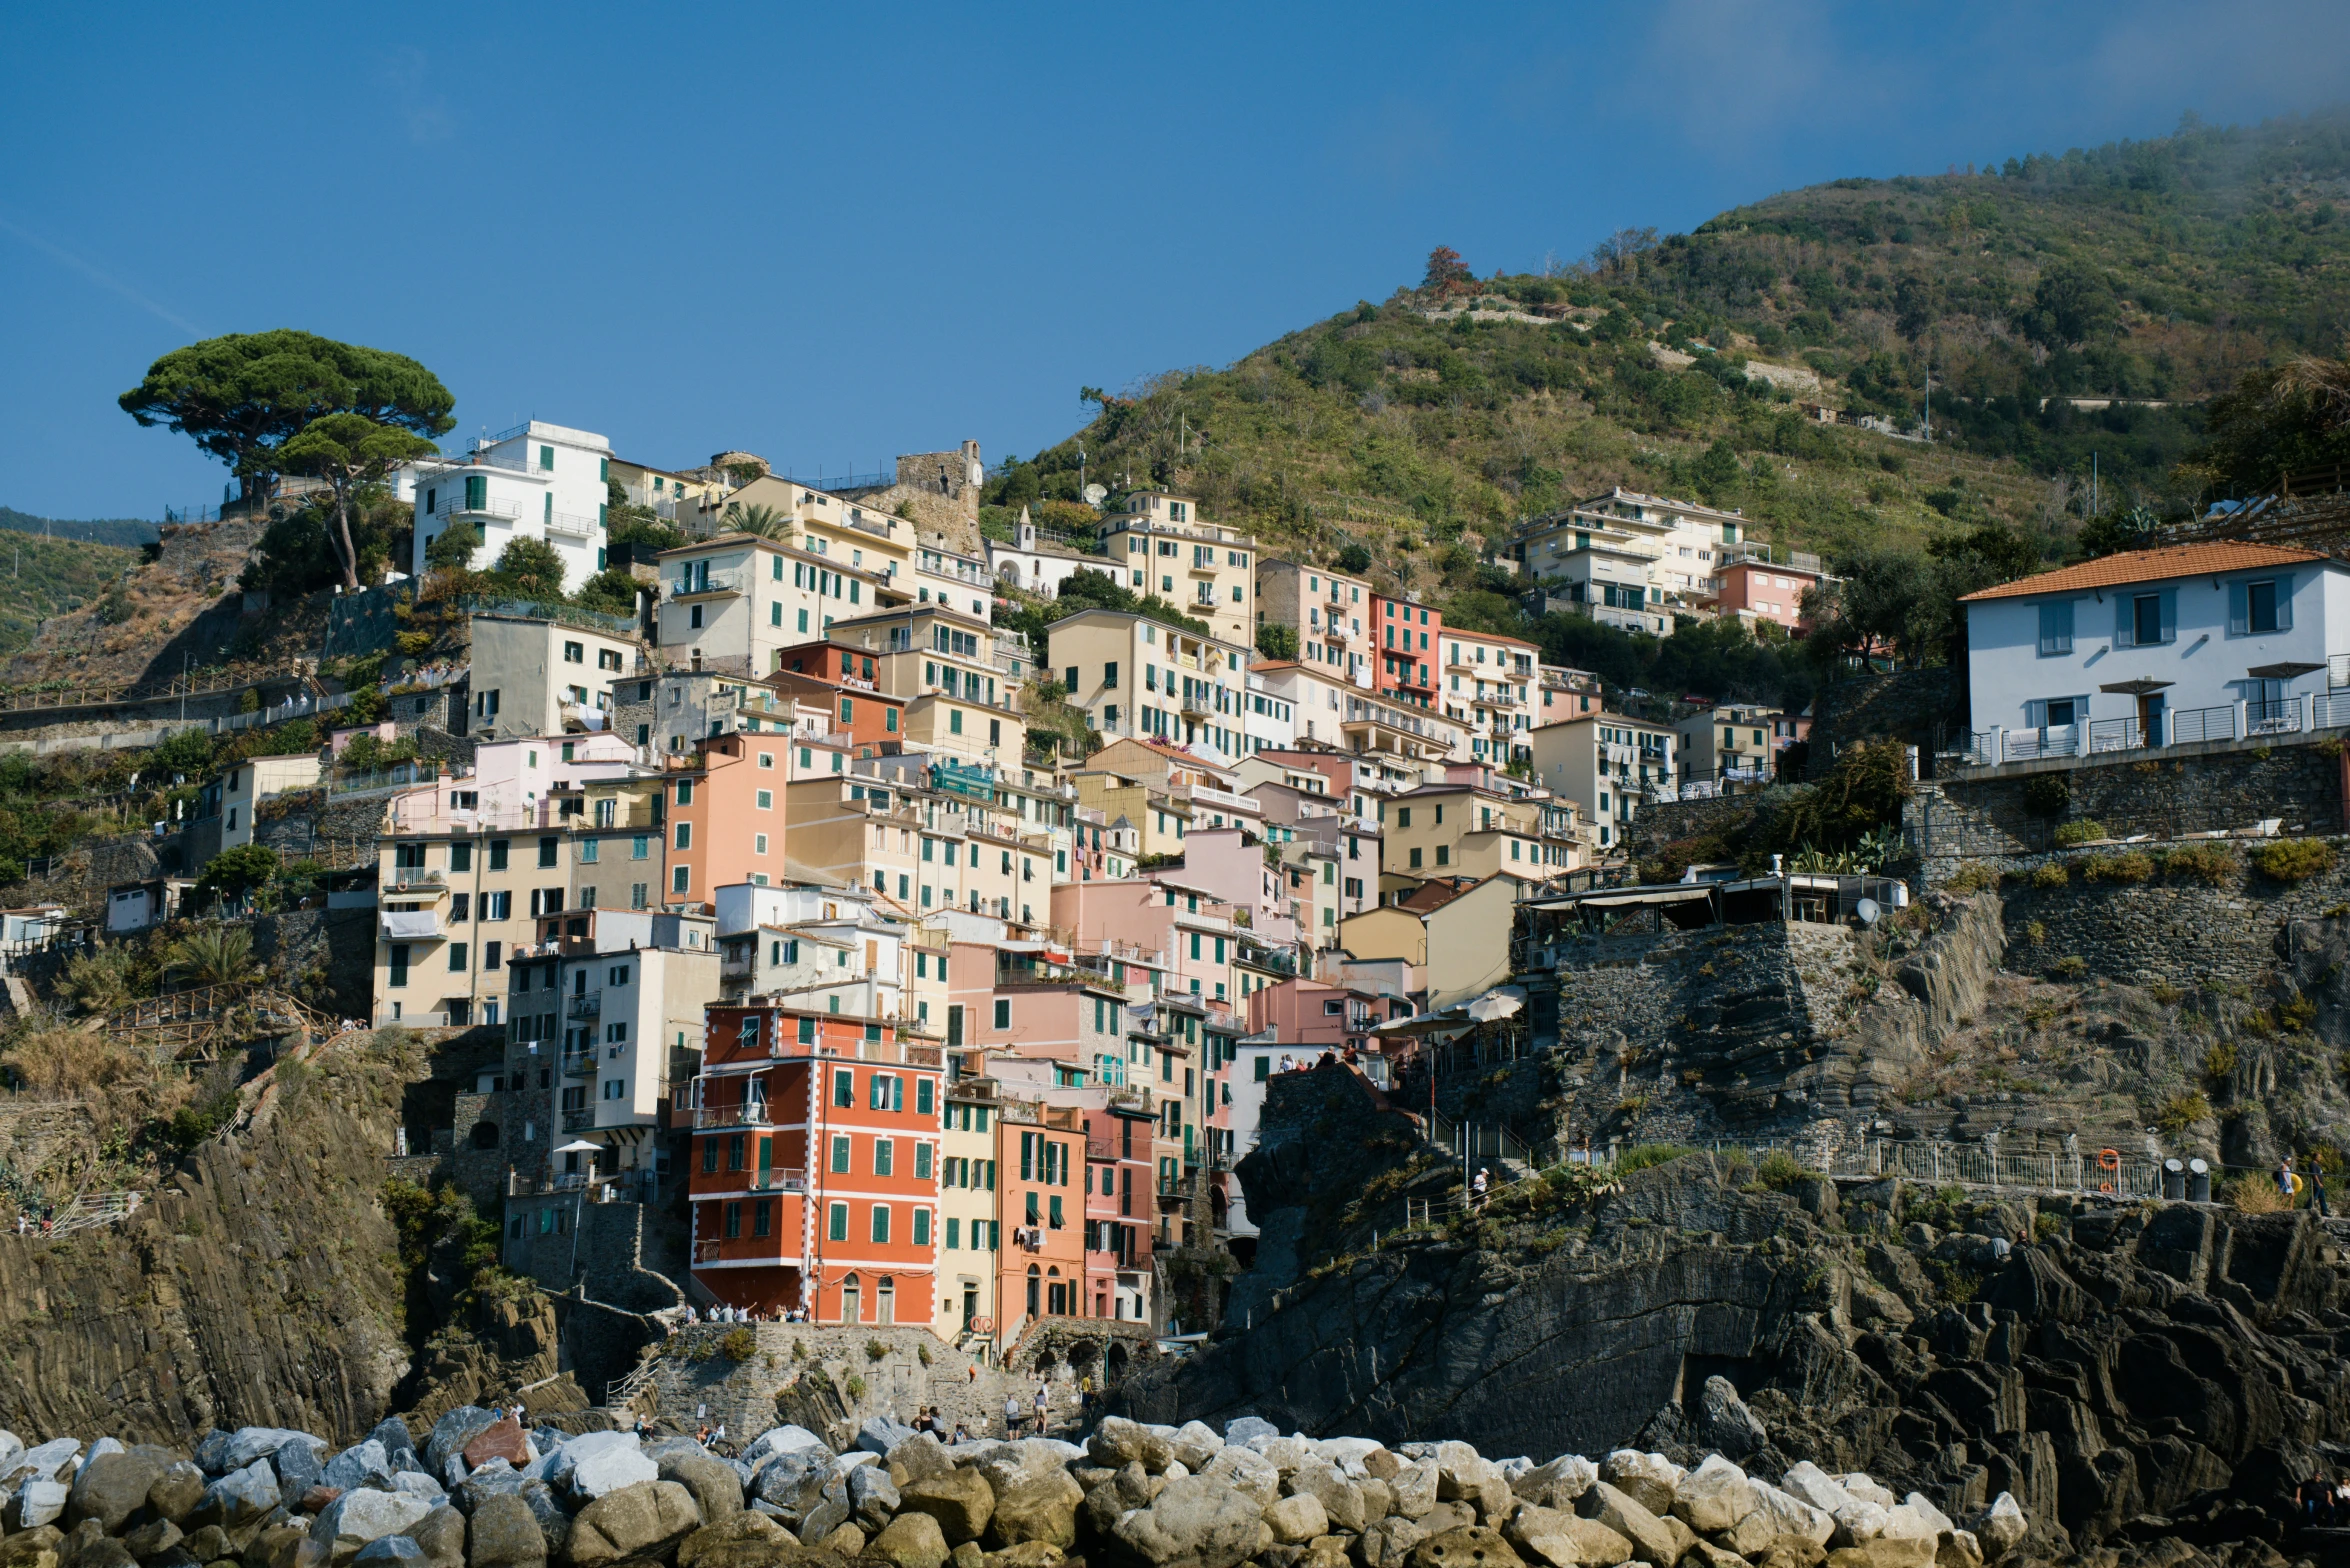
(529,569)
(1446,271)
(243,396)
(1277,641)
(2277,421)
(348,451)
(2071,304)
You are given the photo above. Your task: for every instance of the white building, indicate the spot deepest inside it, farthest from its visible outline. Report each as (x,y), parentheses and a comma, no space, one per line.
(2154,648)
(535,481)
(1270,719)
(1037,564)
(1606,763)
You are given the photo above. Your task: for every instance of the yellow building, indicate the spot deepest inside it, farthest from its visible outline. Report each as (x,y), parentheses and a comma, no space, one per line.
(970,1230)
(1461,830)
(1163,548)
(1137,677)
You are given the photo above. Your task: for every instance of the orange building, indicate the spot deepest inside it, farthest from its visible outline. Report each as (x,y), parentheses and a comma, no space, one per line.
(725,817)
(1040,1165)
(844,679)
(814,1173)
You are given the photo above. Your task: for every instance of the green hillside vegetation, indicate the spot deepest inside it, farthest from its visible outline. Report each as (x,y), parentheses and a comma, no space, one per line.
(1422,429)
(123,532)
(44,577)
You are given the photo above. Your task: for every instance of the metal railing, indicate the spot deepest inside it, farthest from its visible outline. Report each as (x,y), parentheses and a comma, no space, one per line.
(2116,735)
(2272,718)
(571,523)
(2194,724)
(2054,740)
(457,506)
(727,580)
(753,1113)
(587,1006)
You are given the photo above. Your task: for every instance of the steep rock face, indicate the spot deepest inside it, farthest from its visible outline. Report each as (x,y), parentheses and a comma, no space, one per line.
(2137,1374)
(262,1284)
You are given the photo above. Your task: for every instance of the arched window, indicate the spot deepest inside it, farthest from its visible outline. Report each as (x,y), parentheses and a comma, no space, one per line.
(852,1306)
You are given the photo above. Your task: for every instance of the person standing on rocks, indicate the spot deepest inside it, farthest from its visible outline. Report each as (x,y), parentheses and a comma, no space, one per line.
(2317,1190)
(1011,1415)
(2285,1182)
(1044,1410)
(1477,1189)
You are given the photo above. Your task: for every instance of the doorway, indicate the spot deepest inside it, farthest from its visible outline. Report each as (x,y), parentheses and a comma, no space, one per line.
(852,1308)
(2150,707)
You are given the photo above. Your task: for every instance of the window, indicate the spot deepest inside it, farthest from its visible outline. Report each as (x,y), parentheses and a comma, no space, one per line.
(1003,1013)
(574,653)
(837,1224)
(765,799)
(685,835)
(681,879)
(456,958)
(2258,608)
(885,1156)
(921,1227)
(498,854)
(1109,676)
(2060,712)
(399,963)
(881,1223)
(840,1153)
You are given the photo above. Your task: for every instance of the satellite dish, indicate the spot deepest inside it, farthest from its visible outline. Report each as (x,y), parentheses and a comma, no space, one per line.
(1095,495)
(1868,911)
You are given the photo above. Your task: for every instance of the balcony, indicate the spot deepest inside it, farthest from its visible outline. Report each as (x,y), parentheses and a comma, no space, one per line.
(581,1120)
(410,882)
(579,1064)
(571,525)
(738,964)
(705,585)
(754,1113)
(456,510)
(587,1006)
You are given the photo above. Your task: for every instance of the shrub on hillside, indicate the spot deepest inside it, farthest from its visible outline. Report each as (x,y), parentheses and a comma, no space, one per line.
(2294,859)
(2085,831)
(1642,1155)
(2053,873)
(2204,860)
(1973,877)
(2182,1111)
(2132,866)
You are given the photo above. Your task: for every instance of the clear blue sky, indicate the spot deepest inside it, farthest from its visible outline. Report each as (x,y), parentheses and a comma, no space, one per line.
(828,236)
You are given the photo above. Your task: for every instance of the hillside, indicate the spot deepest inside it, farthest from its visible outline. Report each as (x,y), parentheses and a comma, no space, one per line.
(126,533)
(1423,427)
(44,577)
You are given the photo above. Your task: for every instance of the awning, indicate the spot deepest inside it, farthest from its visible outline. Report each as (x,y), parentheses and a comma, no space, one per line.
(1635,897)
(2141,687)
(2288,670)
(1448,1022)
(581,1146)
(409,925)
(1498,1003)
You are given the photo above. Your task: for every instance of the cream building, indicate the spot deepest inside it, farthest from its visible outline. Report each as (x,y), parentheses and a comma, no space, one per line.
(1331,614)
(1606,763)
(1134,676)
(1159,545)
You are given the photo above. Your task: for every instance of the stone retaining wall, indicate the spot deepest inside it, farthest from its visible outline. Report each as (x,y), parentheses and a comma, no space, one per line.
(1915,706)
(1988,820)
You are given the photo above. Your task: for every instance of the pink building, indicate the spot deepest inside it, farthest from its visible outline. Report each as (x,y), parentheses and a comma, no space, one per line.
(1768,592)
(1026,999)
(1309,1017)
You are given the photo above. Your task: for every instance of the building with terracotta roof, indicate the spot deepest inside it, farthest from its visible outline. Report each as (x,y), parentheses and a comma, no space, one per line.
(2155,647)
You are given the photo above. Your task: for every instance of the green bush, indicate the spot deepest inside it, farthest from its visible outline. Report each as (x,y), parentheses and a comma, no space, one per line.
(2294,859)
(2070,967)
(2131,866)
(2182,1111)
(2048,795)
(1973,877)
(2203,860)
(1642,1155)
(2085,831)
(2053,873)
(739,1344)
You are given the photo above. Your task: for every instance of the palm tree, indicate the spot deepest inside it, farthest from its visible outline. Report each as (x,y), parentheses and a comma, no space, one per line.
(212,955)
(757,518)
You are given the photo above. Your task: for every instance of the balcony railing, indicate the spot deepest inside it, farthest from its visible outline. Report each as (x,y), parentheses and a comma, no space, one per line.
(587,1006)
(571,523)
(577,1063)
(731,579)
(583,1120)
(753,1113)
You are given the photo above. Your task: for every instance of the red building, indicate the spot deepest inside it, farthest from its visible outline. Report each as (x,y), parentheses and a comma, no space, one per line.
(1118,1207)
(841,677)
(814,1174)
(1406,661)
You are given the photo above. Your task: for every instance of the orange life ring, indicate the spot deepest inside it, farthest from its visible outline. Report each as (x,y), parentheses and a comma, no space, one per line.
(2111,1160)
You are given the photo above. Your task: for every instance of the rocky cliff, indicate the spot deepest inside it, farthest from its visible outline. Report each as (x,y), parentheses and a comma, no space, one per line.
(2136,1377)
(261,1283)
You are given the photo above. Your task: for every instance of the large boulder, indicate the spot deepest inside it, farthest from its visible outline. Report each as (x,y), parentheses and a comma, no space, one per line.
(113,1486)
(1648,1479)
(1471,1546)
(961,1501)
(598,1464)
(1194,1522)
(717,1489)
(356,1518)
(873,1497)
(1556,1485)
(1777,1515)
(1714,1496)
(1886,1551)
(1388,1543)
(1246,1470)
(1118,1442)
(636,1521)
(452,1432)
(176,1490)
(390,1551)
(1243,1429)
(11,1450)
(919,1458)
(501,1439)
(39,1547)
(503,1533)
(909,1541)
(2002,1527)
(37,1501)
(1035,1497)
(880,1434)
(1195,1443)
(248,1443)
(1296,1519)
(1563,1540)
(363,1464)
(1341,1499)
(792,1483)
(783,1440)
(747,1540)
(53,1460)
(299,1464)
(240,1498)
(554,1519)
(495,1479)
(1415,1488)
(1610,1505)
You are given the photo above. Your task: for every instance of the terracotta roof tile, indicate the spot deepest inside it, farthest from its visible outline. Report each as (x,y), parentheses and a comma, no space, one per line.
(2149,566)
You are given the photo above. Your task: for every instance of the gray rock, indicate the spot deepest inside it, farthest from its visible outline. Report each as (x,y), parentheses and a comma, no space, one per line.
(607,1469)
(248,1443)
(634,1522)
(11,1450)
(211,1449)
(1648,1479)
(53,1460)
(37,1502)
(1619,1511)
(1341,1499)
(452,1432)
(1194,1522)
(393,1433)
(1415,1488)
(880,1434)
(873,1498)
(363,1465)
(783,1440)
(442,1535)
(452,1471)
(503,1533)
(240,1498)
(99,1450)
(153,1538)
(2002,1527)
(920,1458)
(354,1519)
(1556,1485)
(1242,1428)
(554,1519)
(1118,1442)
(1724,1422)
(1714,1496)
(716,1487)
(826,1516)
(299,1465)
(393,1551)
(421,1485)
(791,1483)
(176,1491)
(112,1486)
(1296,1520)
(495,1479)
